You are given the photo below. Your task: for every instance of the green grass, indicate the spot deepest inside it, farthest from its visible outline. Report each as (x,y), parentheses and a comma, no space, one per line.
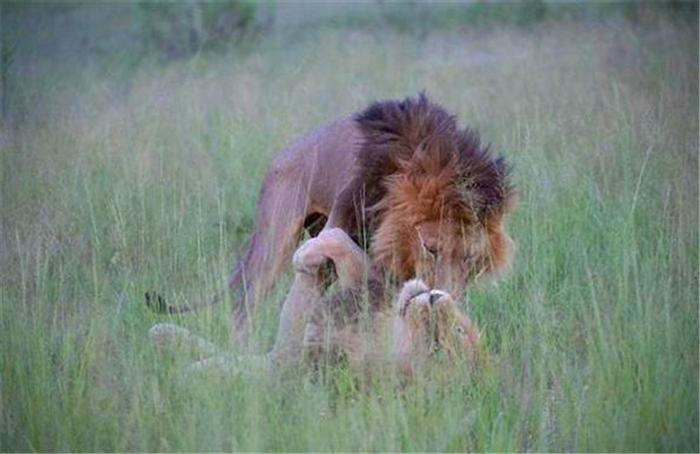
(122,178)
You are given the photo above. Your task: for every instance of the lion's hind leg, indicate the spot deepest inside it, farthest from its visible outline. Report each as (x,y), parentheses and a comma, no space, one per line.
(172,339)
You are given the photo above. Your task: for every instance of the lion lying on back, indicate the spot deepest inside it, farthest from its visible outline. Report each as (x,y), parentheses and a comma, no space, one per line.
(355,321)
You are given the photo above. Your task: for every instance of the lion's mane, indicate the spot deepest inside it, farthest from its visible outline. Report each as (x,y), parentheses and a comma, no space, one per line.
(416,164)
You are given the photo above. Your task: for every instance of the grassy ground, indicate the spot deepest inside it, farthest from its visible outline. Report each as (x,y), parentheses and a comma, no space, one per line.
(123,177)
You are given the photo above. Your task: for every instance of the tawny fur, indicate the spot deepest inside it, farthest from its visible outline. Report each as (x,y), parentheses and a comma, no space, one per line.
(418,193)
(355,322)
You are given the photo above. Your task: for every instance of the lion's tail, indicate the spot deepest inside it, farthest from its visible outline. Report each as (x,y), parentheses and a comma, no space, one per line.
(156,302)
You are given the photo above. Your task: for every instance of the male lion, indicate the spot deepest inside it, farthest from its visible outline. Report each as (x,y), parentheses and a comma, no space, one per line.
(421,195)
(354,321)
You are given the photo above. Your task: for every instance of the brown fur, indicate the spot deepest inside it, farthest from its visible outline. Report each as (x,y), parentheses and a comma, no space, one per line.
(404,181)
(417,142)
(418,171)
(358,322)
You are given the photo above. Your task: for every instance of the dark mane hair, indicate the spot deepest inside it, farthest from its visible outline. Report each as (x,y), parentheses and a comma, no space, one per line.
(417,136)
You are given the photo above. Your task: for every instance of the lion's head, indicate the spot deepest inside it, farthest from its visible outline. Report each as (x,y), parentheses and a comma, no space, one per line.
(428,321)
(434,200)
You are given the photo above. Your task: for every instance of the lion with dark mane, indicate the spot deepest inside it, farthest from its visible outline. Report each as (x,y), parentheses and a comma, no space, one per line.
(417,194)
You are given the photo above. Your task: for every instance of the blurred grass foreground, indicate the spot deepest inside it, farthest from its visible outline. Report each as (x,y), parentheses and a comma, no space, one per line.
(134,140)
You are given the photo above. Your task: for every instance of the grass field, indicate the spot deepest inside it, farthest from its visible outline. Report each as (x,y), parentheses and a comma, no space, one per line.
(120,177)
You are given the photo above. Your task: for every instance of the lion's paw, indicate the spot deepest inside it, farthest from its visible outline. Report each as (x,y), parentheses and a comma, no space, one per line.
(334,236)
(417,294)
(410,294)
(315,252)
(309,256)
(440,299)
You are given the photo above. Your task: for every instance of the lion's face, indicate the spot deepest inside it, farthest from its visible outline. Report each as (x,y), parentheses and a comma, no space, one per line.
(427,233)
(429,321)
(450,254)
(432,197)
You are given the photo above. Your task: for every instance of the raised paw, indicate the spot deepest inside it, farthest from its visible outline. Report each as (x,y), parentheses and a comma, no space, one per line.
(328,245)
(334,237)
(441,300)
(413,292)
(418,300)
(309,257)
